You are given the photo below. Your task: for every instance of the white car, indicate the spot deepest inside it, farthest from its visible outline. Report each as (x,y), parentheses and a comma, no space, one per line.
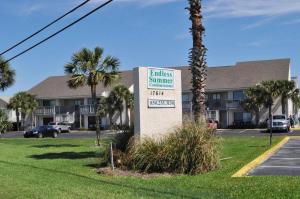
(60,126)
(280,122)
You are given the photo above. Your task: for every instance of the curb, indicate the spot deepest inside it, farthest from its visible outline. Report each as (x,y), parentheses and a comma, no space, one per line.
(260,159)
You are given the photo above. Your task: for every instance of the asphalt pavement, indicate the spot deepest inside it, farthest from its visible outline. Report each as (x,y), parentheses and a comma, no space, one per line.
(72,134)
(285,162)
(220,132)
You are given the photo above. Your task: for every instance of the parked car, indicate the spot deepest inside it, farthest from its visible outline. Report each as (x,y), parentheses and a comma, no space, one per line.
(212,124)
(42,131)
(280,122)
(60,126)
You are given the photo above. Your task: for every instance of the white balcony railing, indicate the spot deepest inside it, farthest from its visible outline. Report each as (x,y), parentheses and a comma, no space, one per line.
(87,109)
(45,110)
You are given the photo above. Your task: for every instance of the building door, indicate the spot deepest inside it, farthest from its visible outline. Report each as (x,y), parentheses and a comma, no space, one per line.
(47,120)
(223,119)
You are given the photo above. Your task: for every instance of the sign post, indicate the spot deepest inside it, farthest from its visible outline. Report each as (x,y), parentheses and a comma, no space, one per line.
(157,101)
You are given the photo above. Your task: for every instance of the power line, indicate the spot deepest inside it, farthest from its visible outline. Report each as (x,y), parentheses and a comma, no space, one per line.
(61,30)
(45,27)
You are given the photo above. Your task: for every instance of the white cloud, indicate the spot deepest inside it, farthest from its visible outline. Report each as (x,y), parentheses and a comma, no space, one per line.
(251,8)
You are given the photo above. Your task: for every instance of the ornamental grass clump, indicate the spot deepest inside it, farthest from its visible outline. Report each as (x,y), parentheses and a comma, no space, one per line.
(190,149)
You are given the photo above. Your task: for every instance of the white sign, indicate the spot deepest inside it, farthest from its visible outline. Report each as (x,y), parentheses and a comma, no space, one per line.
(160,103)
(159,78)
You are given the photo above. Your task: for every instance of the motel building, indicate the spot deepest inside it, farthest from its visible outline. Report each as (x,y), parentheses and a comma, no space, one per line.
(225,86)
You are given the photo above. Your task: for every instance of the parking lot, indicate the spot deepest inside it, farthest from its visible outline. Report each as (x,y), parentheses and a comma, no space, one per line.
(285,162)
(254,132)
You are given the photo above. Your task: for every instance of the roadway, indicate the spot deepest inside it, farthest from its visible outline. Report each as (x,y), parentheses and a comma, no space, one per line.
(220,132)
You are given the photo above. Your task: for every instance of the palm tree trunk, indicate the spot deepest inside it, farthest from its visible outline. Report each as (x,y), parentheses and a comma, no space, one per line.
(18,119)
(283,105)
(126,115)
(257,117)
(271,123)
(95,104)
(197,60)
(121,119)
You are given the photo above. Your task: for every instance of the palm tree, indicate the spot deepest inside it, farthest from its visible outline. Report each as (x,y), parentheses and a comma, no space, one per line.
(254,101)
(23,103)
(269,92)
(5,125)
(121,94)
(7,75)
(286,90)
(198,65)
(91,68)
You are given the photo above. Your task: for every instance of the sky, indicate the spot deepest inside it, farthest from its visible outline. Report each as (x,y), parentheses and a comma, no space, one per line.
(148,33)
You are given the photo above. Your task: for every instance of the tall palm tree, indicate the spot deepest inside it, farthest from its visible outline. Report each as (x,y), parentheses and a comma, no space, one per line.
(23,103)
(198,65)
(286,90)
(121,94)
(7,75)
(90,68)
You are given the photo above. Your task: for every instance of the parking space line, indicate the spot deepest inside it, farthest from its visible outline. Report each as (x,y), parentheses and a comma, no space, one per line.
(243,131)
(284,158)
(289,167)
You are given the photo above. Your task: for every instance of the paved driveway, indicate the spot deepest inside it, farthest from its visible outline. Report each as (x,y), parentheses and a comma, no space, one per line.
(286,162)
(74,134)
(254,132)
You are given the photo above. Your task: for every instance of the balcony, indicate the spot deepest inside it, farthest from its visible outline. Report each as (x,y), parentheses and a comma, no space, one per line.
(233,104)
(54,110)
(87,110)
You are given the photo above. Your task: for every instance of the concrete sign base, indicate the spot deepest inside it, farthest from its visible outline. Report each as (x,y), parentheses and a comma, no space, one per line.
(157,101)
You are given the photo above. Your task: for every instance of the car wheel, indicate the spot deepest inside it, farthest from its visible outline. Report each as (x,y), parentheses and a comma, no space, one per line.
(40,135)
(54,135)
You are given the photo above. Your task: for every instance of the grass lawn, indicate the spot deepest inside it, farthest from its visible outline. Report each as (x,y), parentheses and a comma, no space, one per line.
(64,168)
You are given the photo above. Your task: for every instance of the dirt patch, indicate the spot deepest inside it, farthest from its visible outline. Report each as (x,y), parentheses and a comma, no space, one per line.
(127,173)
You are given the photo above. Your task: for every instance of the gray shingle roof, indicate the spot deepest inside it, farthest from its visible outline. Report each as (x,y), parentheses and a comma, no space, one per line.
(241,75)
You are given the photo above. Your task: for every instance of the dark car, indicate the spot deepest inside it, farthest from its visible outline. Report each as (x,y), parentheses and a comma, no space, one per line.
(42,131)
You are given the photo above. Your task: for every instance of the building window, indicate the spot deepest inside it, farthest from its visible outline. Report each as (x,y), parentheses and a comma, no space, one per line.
(238,95)
(78,102)
(48,102)
(216,96)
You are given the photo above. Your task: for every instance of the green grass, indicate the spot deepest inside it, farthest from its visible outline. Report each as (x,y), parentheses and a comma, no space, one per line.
(64,168)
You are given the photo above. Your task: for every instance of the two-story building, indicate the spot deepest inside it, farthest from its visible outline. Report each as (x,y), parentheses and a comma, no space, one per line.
(225,86)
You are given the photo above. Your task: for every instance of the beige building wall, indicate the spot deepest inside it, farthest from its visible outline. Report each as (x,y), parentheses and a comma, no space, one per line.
(155,122)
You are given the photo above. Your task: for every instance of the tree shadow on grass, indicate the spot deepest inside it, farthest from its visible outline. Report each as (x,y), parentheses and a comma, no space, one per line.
(65,155)
(148,191)
(55,145)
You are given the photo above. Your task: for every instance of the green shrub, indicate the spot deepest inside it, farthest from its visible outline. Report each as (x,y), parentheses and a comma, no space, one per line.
(191,149)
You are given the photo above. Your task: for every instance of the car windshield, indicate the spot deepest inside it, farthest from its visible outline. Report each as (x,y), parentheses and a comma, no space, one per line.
(38,128)
(279,117)
(52,123)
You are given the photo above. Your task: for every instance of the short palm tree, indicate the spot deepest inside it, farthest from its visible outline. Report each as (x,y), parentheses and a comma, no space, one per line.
(91,68)
(198,65)
(286,90)
(121,95)
(5,125)
(269,92)
(7,75)
(254,101)
(23,103)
